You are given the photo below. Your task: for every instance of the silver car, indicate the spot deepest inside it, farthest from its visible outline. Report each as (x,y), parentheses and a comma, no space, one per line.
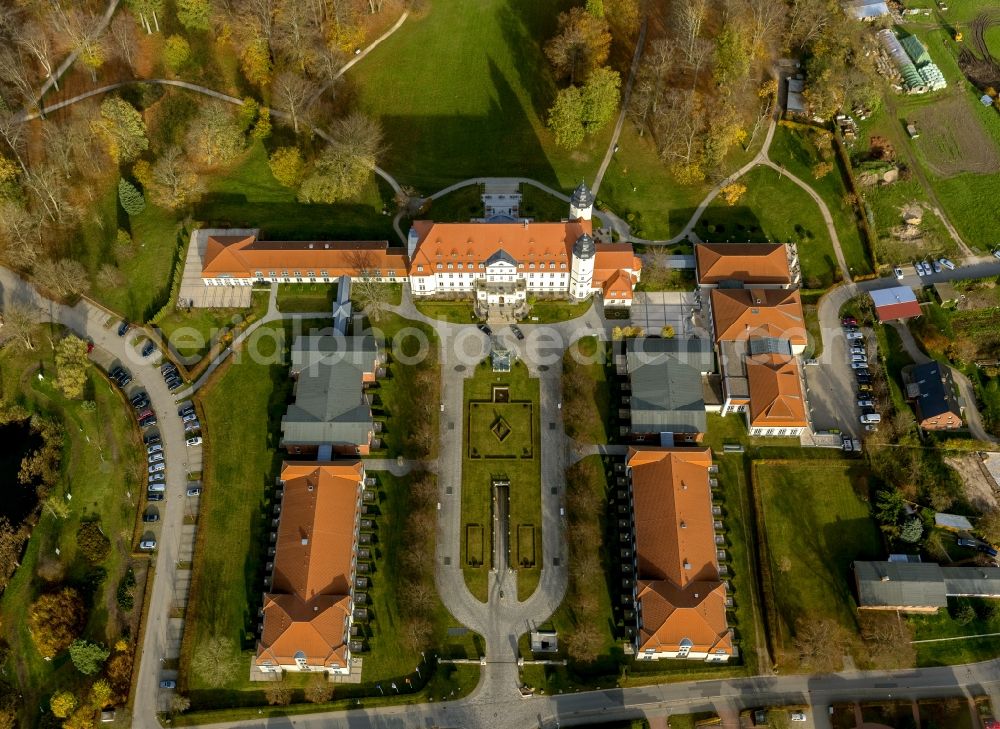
(156,458)
(158,467)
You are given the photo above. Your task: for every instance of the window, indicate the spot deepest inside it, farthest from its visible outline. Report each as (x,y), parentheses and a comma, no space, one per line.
(439,267)
(562,265)
(324,273)
(392,273)
(451,266)
(284,273)
(260,274)
(552,264)
(482,265)
(310,273)
(297,273)
(420,267)
(532,265)
(271,273)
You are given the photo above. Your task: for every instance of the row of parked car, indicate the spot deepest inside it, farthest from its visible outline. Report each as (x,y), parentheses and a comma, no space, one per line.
(858,355)
(171,376)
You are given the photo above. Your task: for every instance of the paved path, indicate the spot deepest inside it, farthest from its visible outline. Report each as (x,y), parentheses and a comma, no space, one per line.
(53,80)
(174,541)
(725,697)
(613,144)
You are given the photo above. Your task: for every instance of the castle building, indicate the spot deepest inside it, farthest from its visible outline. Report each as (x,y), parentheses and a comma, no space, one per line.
(497,261)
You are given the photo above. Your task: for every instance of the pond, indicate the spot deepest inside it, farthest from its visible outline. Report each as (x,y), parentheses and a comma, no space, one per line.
(17,500)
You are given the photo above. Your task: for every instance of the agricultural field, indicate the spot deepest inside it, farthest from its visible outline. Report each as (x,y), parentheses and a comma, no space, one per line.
(952,141)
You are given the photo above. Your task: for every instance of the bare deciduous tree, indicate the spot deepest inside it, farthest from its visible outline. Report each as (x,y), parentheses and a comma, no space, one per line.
(689,16)
(124,38)
(19,324)
(371,293)
(319,690)
(297,95)
(34,37)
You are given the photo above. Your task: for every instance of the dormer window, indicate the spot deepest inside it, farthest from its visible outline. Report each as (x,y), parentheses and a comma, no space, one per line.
(439,266)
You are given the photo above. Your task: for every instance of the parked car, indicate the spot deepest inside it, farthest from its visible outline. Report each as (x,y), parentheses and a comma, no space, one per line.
(167,367)
(947,263)
(154,477)
(517,331)
(147,544)
(986,549)
(855,335)
(137,398)
(185,410)
(797,716)
(862,365)
(149,348)
(871,427)
(146,422)
(142,403)
(966,542)
(937,266)
(158,467)
(859,358)
(192,426)
(194,491)
(150,518)
(194,441)
(996,253)
(849,321)
(154,496)
(167,684)
(484,328)
(156,488)
(143,414)
(189,417)
(872,417)
(155,458)
(857,349)
(898,272)
(151,438)
(123,328)
(173,384)
(919,266)
(155,448)
(866,402)
(864,387)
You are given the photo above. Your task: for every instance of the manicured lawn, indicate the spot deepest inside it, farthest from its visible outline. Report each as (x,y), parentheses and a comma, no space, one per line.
(755,218)
(544,311)
(408,399)
(457,312)
(246,195)
(797,152)
(641,191)
(501,429)
(541,205)
(306,297)
(100,468)
(458,206)
(193,332)
(816,522)
(157,242)
(523,473)
(441,128)
(943,625)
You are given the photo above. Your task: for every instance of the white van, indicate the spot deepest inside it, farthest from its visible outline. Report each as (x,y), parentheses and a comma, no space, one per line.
(871,418)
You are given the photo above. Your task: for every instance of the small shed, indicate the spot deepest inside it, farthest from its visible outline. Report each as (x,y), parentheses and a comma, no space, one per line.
(897,302)
(544,641)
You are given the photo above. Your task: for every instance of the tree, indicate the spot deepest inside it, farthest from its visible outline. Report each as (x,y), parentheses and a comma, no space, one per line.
(92,542)
(11,543)
(319,690)
(965,613)
(88,657)
(179,704)
(911,530)
(124,36)
(194,14)
(988,526)
(109,276)
(262,128)
(122,128)
(566,118)
(733,53)
(255,60)
(71,366)
(689,15)
(278,695)
(214,135)
(584,642)
(733,192)
(600,99)
(148,11)
(176,53)
(213,661)
(19,324)
(36,38)
(172,181)
(346,163)
(287,166)
(100,693)
(581,45)
(298,96)
(62,704)
(821,170)
(55,620)
(64,277)
(821,643)
(130,197)
(371,293)
(887,639)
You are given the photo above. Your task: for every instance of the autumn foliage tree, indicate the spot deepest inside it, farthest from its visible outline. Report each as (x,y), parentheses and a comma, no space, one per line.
(55,620)
(71,366)
(122,128)
(581,45)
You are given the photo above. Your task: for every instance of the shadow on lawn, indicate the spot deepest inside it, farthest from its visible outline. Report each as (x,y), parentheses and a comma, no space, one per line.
(293,220)
(432,152)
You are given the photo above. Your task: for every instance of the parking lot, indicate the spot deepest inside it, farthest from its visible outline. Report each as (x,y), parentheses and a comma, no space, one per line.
(683,310)
(832,386)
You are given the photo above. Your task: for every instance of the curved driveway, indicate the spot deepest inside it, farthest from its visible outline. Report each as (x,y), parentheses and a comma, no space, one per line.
(159,637)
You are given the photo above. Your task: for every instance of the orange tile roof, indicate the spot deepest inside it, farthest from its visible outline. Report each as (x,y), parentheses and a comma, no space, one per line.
(243,256)
(695,615)
(740,314)
(313,562)
(670,488)
(677,568)
(470,244)
(751,263)
(776,399)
